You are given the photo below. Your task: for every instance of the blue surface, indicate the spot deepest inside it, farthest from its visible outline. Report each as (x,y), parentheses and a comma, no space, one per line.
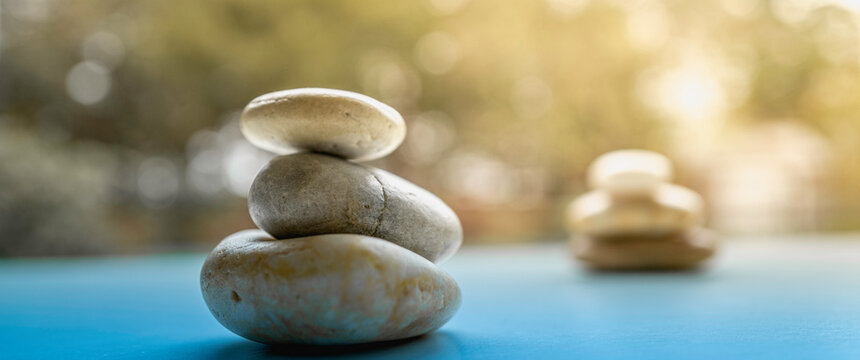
(796,299)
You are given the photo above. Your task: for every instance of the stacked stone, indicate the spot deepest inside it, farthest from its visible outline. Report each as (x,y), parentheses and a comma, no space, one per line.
(346,253)
(634,219)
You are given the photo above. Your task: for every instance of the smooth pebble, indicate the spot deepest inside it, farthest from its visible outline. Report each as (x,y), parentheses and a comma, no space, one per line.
(670,208)
(311,194)
(328,289)
(680,250)
(342,123)
(629,172)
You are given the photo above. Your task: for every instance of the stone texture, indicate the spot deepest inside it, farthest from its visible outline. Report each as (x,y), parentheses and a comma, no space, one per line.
(337,122)
(682,250)
(668,209)
(329,289)
(311,194)
(629,172)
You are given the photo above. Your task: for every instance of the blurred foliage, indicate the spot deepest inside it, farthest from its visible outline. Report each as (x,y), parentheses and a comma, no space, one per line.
(506,102)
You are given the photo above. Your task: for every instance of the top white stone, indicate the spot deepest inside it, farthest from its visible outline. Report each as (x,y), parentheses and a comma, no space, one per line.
(337,122)
(629,172)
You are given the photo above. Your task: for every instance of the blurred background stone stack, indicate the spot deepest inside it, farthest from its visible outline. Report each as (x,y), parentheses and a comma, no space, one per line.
(634,219)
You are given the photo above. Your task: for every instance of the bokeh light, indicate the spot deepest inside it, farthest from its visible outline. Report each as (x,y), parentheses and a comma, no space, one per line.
(126,113)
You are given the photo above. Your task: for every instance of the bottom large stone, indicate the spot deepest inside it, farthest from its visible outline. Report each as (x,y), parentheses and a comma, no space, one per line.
(326,289)
(682,250)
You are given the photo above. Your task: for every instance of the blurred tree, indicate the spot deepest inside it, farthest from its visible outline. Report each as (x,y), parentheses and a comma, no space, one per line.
(506,103)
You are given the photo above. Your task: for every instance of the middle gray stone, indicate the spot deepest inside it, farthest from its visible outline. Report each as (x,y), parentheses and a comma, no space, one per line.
(312,194)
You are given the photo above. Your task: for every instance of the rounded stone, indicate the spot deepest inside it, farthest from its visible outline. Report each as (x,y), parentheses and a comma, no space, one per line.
(680,250)
(337,122)
(329,289)
(670,208)
(629,172)
(311,194)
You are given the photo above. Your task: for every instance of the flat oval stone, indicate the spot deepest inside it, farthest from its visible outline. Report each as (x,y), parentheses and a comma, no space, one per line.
(329,289)
(679,250)
(670,208)
(629,172)
(337,122)
(311,194)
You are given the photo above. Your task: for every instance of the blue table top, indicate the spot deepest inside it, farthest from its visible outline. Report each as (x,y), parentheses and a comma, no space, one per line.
(792,299)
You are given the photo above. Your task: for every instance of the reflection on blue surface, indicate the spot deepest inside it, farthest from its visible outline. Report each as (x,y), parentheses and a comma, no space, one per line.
(526,302)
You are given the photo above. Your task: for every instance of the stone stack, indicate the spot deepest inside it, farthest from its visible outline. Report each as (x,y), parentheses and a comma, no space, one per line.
(346,253)
(634,219)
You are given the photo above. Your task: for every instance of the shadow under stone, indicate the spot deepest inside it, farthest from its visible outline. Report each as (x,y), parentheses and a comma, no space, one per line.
(692,271)
(437,344)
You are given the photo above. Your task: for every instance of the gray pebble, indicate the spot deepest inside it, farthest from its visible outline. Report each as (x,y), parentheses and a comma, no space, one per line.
(311,194)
